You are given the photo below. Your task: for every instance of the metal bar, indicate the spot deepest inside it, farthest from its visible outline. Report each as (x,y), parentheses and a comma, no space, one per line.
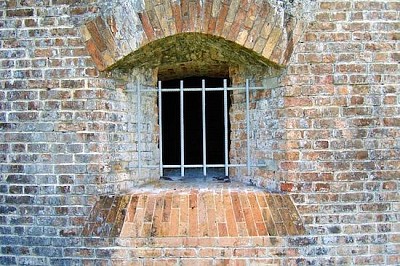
(139,117)
(226,160)
(207,89)
(186,166)
(160,127)
(182,127)
(201,166)
(203,110)
(248,126)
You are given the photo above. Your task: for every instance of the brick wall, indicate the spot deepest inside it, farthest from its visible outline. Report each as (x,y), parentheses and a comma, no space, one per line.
(67,131)
(341,118)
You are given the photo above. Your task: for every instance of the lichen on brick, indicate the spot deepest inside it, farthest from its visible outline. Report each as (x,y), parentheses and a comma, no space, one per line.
(195,51)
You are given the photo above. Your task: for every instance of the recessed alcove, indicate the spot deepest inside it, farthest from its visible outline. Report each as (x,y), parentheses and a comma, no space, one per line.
(233,148)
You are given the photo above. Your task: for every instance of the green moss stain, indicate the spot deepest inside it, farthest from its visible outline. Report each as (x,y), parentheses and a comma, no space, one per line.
(202,49)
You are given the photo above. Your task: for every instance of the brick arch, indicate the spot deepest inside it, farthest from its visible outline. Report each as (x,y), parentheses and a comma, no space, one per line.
(193,54)
(264,27)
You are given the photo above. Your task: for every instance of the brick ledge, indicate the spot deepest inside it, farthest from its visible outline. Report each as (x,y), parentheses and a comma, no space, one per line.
(194,213)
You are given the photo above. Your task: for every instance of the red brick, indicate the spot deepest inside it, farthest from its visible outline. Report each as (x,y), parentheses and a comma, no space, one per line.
(287,187)
(322,187)
(176,10)
(145,252)
(248,252)
(156,24)
(237,208)
(222,229)
(192,262)
(180,253)
(207,14)
(230,218)
(296,101)
(193,214)
(167,208)
(194,15)
(353,176)
(170,242)
(163,262)
(335,5)
(105,32)
(391,122)
(389,185)
(239,18)
(184,215)
(185,15)
(364,122)
(95,54)
(97,38)
(149,208)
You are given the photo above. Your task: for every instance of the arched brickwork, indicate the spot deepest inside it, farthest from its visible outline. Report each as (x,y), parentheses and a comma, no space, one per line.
(175,39)
(269,29)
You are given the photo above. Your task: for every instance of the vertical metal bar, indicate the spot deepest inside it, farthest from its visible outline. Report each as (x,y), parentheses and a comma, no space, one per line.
(182,127)
(139,117)
(160,127)
(248,126)
(226,127)
(203,103)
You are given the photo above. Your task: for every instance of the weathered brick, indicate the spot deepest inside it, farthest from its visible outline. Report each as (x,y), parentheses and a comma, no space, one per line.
(8,260)
(27,12)
(326,130)
(20,179)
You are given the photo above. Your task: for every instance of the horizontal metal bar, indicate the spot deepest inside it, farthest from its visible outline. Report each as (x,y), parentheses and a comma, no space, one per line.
(200,166)
(206,89)
(190,166)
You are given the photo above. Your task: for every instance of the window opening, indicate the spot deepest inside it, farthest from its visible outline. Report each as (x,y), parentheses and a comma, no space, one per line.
(182,164)
(194,135)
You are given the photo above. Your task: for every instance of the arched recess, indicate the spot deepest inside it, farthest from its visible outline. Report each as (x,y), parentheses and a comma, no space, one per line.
(194,54)
(175,39)
(269,28)
(189,55)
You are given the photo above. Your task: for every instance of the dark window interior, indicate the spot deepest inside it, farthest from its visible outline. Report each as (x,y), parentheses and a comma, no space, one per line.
(193,122)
